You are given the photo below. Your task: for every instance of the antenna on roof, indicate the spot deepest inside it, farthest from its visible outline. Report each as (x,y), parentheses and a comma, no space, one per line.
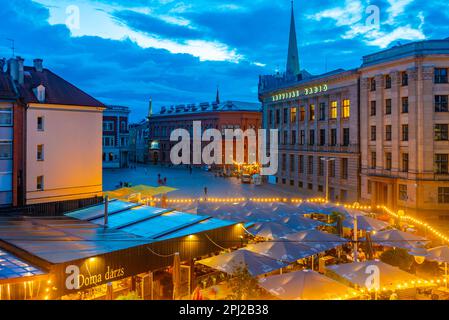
(13,47)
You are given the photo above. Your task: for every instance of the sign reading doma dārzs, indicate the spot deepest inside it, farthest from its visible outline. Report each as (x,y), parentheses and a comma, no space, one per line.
(250,147)
(79,280)
(307,91)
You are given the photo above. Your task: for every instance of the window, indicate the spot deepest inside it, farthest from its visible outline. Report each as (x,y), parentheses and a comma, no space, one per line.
(388,132)
(333,137)
(441,132)
(301,164)
(405,132)
(40,123)
(332,169)
(312,137)
(292,163)
(302,138)
(405,105)
(441,103)
(373,160)
(284,162)
(300,184)
(40,152)
(293,115)
(108,126)
(310,186)
(334,107)
(387,81)
(310,165)
(5,149)
(40,183)
(322,111)
(370,187)
(322,137)
(373,133)
(278,117)
(302,113)
(441,75)
(293,138)
(388,160)
(441,163)
(372,84)
(344,168)
(346,108)
(388,106)
(320,167)
(292,183)
(403,196)
(404,79)
(6,116)
(405,162)
(312,112)
(108,141)
(373,108)
(270,117)
(285,115)
(443,195)
(285,137)
(320,188)
(345,137)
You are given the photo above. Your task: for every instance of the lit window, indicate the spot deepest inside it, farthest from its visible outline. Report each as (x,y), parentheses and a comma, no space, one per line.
(403,196)
(293,115)
(346,108)
(312,112)
(443,195)
(40,123)
(334,106)
(40,152)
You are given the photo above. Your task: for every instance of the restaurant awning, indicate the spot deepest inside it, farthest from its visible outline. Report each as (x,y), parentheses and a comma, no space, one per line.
(439,254)
(390,278)
(13,269)
(255,263)
(300,223)
(306,285)
(271,230)
(365,223)
(318,240)
(283,250)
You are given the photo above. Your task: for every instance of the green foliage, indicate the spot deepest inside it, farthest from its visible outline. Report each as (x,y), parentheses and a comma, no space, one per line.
(132,295)
(243,285)
(398,258)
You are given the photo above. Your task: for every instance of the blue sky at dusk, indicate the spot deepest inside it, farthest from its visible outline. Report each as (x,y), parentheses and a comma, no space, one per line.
(124,51)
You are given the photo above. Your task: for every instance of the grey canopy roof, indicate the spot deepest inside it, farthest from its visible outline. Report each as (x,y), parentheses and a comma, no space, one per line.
(321,241)
(398,239)
(283,250)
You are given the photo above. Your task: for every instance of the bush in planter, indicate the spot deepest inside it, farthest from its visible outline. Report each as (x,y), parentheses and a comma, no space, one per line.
(398,258)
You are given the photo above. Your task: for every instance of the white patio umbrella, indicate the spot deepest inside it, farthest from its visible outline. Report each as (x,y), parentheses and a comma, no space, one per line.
(299,223)
(283,250)
(365,223)
(256,264)
(398,239)
(318,240)
(306,285)
(271,230)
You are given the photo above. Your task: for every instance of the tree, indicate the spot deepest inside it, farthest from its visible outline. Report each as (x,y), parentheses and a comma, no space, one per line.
(243,285)
(398,258)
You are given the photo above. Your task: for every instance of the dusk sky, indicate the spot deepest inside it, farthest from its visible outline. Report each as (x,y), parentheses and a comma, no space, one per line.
(124,52)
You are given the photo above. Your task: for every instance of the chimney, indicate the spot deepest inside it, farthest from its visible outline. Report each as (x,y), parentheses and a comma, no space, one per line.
(20,68)
(13,69)
(38,65)
(2,65)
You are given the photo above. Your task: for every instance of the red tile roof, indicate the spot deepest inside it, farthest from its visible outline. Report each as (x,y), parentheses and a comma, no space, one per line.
(57,90)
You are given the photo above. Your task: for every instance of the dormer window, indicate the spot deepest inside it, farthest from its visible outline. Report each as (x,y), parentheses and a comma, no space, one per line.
(39,92)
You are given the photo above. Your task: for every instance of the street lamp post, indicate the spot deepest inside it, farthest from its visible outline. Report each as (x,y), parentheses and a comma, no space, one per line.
(327,160)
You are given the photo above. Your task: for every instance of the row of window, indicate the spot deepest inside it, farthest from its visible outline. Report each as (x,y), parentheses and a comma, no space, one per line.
(441,162)
(441,132)
(312,114)
(443,193)
(440,105)
(440,76)
(320,165)
(323,138)
(109,126)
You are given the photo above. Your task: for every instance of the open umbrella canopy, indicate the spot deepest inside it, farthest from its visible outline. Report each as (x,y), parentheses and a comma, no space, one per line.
(256,264)
(309,208)
(299,223)
(318,240)
(271,230)
(365,223)
(283,250)
(439,254)
(398,239)
(143,190)
(306,285)
(390,278)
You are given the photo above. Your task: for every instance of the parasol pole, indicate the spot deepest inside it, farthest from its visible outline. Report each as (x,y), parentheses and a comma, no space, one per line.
(355,239)
(445,272)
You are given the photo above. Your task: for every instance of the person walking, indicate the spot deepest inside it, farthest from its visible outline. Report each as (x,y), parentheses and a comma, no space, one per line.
(205,193)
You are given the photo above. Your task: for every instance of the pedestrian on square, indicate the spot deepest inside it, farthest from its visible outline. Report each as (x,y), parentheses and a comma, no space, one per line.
(205,192)
(165,181)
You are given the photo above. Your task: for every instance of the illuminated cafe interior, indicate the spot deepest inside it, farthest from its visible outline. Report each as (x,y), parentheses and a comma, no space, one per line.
(78,256)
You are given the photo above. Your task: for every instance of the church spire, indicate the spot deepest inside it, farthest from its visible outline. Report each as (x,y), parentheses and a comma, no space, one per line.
(293,57)
(217,98)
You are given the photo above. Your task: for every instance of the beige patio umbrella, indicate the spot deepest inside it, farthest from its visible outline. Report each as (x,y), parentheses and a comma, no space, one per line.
(307,285)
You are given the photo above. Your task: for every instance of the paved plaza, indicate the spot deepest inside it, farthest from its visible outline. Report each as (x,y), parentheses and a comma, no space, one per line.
(190,184)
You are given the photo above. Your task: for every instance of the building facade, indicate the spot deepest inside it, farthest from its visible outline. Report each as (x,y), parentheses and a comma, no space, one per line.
(139,148)
(380,130)
(404,127)
(116,137)
(56,137)
(220,116)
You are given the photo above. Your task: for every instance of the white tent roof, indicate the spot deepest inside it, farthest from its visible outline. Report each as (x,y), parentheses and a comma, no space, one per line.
(283,250)
(306,285)
(318,240)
